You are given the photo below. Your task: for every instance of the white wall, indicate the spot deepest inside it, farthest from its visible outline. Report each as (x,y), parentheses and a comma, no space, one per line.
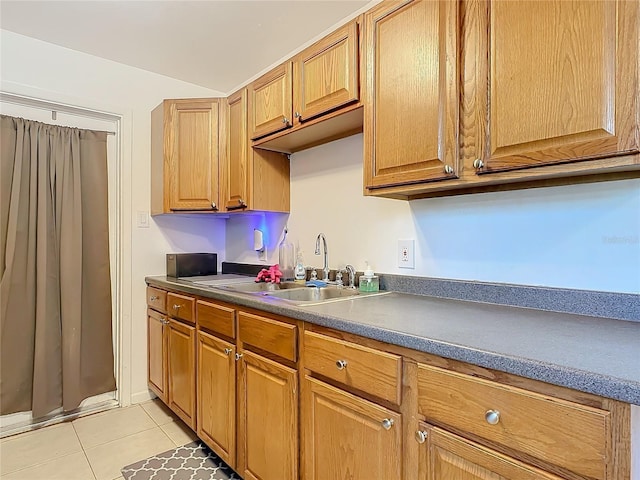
(578,236)
(42,70)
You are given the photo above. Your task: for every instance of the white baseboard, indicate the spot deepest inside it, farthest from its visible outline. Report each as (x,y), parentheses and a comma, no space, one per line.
(141,397)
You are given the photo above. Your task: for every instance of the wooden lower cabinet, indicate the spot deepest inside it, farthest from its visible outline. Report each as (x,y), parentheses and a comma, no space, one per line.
(267,419)
(181,347)
(217,396)
(444,455)
(157,354)
(348,437)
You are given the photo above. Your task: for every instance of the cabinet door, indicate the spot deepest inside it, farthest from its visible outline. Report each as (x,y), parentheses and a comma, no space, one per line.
(268,419)
(236,169)
(348,437)
(181,349)
(157,354)
(270,102)
(325,76)
(444,455)
(191,145)
(411,116)
(562,80)
(217,396)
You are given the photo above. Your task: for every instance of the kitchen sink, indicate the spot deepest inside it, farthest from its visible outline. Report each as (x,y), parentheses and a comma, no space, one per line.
(314,294)
(294,293)
(310,296)
(261,286)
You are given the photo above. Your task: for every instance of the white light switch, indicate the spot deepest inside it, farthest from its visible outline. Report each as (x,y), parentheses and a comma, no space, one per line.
(142,219)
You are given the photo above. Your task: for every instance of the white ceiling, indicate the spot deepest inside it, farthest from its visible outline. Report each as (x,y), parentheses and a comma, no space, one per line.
(218,44)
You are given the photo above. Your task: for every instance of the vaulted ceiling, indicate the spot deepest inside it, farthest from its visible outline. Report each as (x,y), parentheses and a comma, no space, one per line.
(213,43)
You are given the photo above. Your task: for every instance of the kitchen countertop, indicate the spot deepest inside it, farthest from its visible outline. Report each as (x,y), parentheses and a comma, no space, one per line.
(589,354)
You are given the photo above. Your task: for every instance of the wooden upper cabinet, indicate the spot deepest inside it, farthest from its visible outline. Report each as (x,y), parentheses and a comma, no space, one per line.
(411,116)
(236,171)
(326,75)
(251,179)
(270,102)
(562,81)
(185,150)
(444,455)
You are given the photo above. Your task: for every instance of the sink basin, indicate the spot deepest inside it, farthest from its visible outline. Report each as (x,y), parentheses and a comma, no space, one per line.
(261,286)
(314,294)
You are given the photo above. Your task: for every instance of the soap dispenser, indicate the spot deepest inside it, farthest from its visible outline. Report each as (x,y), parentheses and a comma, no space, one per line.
(299,272)
(285,258)
(369,282)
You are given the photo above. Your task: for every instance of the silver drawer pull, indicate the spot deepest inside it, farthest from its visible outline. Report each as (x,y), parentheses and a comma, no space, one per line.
(177,307)
(238,356)
(387,423)
(227,351)
(492,417)
(341,364)
(421,436)
(153,298)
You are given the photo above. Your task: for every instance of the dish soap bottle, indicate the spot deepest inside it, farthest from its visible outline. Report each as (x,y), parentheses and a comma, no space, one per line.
(285,258)
(369,282)
(300,273)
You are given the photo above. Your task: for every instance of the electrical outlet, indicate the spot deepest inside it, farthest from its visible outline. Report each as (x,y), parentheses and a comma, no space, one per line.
(406,254)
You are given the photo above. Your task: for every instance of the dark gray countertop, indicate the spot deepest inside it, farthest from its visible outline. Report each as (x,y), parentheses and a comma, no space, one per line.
(590,354)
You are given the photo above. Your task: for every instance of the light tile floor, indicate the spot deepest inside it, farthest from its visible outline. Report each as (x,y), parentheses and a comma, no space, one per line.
(95,447)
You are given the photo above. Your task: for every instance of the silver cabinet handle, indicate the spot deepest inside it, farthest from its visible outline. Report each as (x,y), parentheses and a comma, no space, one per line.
(177,307)
(341,364)
(492,417)
(448,169)
(227,351)
(285,120)
(421,436)
(153,298)
(238,356)
(164,321)
(214,206)
(297,115)
(387,423)
(241,204)
(478,164)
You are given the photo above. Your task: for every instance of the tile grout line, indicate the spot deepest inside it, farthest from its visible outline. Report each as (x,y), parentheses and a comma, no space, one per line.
(84,452)
(6,474)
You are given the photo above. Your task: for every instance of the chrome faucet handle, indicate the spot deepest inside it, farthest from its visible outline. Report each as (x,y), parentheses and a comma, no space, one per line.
(352,275)
(339,278)
(314,274)
(326,274)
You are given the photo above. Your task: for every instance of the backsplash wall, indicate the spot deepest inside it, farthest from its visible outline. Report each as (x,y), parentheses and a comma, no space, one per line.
(578,236)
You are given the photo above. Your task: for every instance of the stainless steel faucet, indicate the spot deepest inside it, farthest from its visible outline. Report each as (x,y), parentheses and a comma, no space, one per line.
(325,269)
(352,275)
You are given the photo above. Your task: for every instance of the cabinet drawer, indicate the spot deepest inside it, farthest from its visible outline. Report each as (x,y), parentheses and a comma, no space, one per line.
(157,299)
(269,335)
(371,371)
(567,434)
(182,307)
(216,318)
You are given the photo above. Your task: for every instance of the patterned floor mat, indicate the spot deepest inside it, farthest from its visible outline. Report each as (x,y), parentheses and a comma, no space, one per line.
(194,461)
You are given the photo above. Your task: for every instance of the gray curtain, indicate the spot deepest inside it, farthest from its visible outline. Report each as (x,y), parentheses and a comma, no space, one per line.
(56,344)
